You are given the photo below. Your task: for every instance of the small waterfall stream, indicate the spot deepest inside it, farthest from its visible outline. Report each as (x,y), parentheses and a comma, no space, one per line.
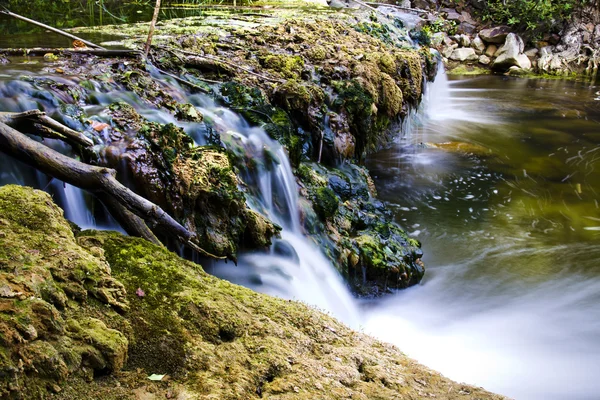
(294,268)
(508,214)
(510,299)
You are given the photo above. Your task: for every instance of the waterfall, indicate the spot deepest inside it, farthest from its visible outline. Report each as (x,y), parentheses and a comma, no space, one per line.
(295,267)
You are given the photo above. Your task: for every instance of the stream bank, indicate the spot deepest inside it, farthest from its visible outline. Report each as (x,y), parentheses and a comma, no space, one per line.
(100,315)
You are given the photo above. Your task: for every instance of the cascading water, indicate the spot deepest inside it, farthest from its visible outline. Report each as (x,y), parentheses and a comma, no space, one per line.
(498,181)
(295,268)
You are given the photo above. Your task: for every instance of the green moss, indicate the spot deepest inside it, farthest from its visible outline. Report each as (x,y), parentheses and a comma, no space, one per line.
(326,202)
(387,63)
(317,53)
(391,96)
(214,339)
(463,69)
(290,67)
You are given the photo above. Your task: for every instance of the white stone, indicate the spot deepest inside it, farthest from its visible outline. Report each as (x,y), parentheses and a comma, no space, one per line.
(463,54)
(485,60)
(513,46)
(523,62)
(478,45)
(531,52)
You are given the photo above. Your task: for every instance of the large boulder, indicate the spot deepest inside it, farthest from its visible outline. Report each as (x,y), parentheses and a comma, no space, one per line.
(512,46)
(463,54)
(494,35)
(511,54)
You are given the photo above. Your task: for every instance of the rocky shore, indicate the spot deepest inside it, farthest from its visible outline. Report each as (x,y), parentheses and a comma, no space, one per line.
(472,45)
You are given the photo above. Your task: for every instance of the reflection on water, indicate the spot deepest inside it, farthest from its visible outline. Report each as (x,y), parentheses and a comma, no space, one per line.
(501,183)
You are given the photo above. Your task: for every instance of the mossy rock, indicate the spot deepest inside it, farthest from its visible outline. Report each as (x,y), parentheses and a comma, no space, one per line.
(326,202)
(357,231)
(195,184)
(213,339)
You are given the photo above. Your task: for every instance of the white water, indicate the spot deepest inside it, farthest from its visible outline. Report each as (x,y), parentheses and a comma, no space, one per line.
(501,306)
(295,268)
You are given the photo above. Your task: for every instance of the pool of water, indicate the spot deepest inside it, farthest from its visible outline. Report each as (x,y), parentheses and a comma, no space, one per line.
(501,182)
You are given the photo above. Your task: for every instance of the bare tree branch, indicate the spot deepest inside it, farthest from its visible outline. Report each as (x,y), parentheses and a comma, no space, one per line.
(151,29)
(55,30)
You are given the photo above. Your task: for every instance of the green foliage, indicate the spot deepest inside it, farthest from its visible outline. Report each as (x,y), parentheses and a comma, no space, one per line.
(377,30)
(440,25)
(533,16)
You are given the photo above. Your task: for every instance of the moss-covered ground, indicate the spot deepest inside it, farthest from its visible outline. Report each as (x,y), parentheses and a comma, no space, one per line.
(93,316)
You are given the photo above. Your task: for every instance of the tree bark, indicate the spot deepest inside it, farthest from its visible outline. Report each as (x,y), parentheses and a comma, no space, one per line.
(94,179)
(151,29)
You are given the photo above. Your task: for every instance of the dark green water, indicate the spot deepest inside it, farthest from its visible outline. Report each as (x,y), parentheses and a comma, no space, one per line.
(508,213)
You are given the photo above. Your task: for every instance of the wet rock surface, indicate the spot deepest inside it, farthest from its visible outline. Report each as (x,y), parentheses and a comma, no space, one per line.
(195,335)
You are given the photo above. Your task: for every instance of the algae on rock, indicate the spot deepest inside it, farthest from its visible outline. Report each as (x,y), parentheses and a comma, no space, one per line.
(212,338)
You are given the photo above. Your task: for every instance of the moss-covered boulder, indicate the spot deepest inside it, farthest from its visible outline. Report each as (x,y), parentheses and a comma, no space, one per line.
(162,317)
(195,184)
(356,230)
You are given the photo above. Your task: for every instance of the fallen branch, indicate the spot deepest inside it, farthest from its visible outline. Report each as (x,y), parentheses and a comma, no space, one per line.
(133,225)
(418,10)
(40,51)
(38,117)
(55,30)
(371,8)
(185,82)
(218,59)
(94,179)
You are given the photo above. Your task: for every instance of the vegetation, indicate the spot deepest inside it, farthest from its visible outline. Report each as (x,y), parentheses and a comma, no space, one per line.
(532,16)
(98,315)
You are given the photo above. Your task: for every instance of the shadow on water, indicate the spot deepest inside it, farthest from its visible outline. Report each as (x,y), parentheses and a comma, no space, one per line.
(500,183)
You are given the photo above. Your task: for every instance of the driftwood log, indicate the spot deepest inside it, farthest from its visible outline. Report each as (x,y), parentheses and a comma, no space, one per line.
(133,211)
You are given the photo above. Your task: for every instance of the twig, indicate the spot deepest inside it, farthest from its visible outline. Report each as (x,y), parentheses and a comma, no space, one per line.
(40,51)
(151,29)
(371,8)
(181,80)
(214,58)
(55,30)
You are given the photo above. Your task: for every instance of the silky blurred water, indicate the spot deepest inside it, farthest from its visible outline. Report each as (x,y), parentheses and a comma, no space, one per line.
(499,179)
